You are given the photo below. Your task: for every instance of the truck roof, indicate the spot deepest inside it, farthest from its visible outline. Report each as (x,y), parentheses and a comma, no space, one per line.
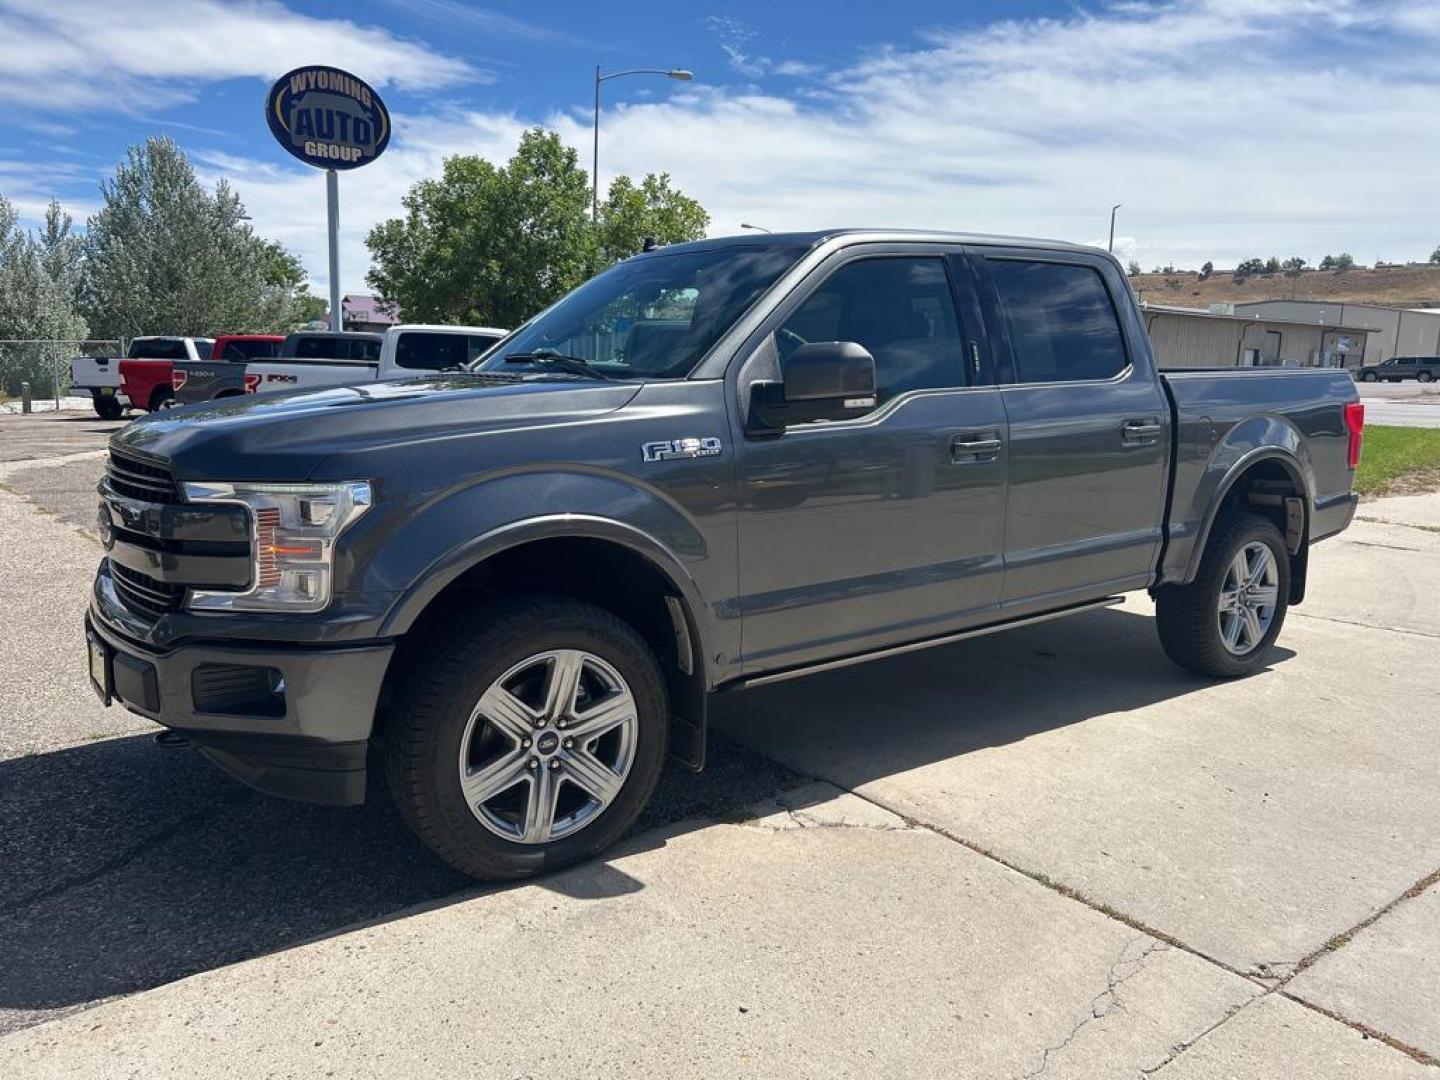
(444,328)
(816,237)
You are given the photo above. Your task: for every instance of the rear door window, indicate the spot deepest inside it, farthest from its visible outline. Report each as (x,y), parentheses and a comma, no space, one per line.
(1061,322)
(431,351)
(159,349)
(243,351)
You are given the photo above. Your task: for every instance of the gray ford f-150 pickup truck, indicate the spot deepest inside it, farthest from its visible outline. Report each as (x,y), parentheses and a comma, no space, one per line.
(715,465)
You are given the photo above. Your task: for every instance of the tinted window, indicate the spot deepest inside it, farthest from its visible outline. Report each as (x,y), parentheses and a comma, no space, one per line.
(1406,360)
(320,348)
(159,349)
(241,351)
(900,309)
(366,350)
(1061,321)
(479,344)
(653,316)
(431,351)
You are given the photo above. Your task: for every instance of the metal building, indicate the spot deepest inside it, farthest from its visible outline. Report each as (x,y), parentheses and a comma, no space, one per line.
(1393,331)
(1189,337)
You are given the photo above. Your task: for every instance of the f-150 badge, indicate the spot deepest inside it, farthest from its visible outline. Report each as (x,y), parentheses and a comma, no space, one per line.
(671,449)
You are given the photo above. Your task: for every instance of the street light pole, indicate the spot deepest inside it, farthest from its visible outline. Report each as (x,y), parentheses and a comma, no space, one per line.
(679,74)
(1111,246)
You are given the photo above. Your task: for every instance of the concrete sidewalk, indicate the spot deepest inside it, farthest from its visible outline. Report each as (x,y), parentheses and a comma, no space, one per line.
(1048,852)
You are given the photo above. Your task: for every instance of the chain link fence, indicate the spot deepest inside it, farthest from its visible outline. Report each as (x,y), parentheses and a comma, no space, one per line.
(45,365)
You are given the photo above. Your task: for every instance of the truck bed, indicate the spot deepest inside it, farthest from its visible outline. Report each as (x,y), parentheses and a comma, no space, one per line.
(1224,417)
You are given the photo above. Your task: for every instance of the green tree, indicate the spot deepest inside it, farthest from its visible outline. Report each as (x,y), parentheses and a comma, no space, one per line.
(488,245)
(1435,255)
(164,255)
(1207,270)
(492,245)
(32,305)
(1249,268)
(1133,268)
(1344,261)
(1293,265)
(652,209)
(1272,265)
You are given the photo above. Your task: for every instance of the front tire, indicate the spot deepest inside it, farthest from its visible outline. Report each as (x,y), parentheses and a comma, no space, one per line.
(530,738)
(1369,376)
(1223,623)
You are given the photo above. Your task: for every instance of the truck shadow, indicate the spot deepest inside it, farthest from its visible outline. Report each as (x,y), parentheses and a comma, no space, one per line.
(126,866)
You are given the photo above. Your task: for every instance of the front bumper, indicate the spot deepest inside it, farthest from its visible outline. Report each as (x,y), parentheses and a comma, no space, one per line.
(292,721)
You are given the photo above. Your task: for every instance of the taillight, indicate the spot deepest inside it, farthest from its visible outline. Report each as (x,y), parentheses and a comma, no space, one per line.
(177,380)
(252,383)
(1355,425)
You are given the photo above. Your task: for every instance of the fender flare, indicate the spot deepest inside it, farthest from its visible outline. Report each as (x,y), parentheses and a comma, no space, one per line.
(1238,468)
(408,607)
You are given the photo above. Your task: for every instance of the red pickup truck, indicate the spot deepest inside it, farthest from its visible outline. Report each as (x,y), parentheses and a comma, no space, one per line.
(145,370)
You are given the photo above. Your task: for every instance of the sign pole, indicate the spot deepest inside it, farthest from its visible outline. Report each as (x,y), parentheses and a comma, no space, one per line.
(332,206)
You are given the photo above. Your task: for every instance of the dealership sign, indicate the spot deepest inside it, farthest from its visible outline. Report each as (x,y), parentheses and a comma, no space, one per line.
(328,118)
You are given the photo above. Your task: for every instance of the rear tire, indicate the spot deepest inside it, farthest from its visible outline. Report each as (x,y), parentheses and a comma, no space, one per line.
(1219,624)
(489,765)
(108,408)
(162,398)
(1424,376)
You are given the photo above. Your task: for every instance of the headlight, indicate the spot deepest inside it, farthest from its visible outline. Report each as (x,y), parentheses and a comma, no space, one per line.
(293,531)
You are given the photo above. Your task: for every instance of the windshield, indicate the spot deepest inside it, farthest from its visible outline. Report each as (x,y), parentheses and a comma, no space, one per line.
(653,317)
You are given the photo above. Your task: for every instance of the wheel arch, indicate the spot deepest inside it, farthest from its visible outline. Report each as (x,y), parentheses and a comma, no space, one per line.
(1275,483)
(607,562)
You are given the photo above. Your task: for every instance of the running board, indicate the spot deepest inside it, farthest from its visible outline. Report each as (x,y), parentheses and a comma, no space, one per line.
(916,646)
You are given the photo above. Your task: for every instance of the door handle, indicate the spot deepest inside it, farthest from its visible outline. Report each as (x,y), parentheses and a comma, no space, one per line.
(1141,432)
(973,447)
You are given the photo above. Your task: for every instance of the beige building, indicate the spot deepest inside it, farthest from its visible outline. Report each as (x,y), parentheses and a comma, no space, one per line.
(1189,337)
(1394,331)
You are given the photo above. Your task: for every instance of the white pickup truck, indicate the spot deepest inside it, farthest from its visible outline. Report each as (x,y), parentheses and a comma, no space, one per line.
(100,375)
(401,351)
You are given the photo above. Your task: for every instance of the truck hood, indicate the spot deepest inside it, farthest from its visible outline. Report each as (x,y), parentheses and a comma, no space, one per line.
(286,436)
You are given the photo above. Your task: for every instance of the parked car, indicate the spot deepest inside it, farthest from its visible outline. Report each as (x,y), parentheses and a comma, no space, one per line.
(1399,368)
(715,466)
(145,373)
(399,352)
(223,374)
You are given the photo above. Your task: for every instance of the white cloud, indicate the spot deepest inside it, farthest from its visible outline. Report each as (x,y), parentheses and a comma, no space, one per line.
(133,56)
(1227,129)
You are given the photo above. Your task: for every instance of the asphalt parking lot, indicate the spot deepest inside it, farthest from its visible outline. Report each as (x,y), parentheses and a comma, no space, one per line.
(1043,852)
(1407,404)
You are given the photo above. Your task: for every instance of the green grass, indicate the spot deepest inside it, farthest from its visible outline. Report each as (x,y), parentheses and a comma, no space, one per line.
(1397,460)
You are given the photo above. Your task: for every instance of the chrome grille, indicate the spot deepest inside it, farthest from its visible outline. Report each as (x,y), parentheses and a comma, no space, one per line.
(138,479)
(140,592)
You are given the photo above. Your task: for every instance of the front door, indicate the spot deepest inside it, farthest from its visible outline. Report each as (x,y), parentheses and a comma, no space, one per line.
(1089,427)
(887,528)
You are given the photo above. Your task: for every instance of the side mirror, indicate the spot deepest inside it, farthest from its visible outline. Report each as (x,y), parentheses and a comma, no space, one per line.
(823,380)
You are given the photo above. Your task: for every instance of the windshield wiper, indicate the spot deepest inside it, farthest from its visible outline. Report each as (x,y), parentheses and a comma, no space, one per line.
(573,365)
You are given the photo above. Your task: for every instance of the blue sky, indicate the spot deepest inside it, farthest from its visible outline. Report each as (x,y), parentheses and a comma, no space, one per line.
(1227,128)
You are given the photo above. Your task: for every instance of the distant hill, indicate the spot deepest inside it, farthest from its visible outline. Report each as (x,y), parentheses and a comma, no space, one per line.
(1413,285)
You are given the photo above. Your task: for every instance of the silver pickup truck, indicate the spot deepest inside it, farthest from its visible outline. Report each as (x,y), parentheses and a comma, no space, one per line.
(714,466)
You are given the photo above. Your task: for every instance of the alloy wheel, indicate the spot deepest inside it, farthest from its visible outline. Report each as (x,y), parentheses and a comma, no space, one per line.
(548,746)
(1248,598)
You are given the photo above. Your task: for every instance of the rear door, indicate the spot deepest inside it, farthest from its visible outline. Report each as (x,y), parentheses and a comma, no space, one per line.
(863,533)
(1089,441)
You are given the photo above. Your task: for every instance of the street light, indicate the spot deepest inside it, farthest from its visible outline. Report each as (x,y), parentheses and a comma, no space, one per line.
(757,228)
(1111,246)
(679,74)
